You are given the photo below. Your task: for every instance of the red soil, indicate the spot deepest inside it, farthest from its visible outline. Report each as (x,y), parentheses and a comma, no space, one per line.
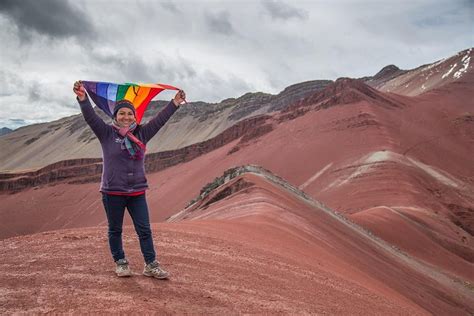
(262,249)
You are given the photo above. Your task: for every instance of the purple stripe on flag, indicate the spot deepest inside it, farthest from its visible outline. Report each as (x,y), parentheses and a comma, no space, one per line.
(90,86)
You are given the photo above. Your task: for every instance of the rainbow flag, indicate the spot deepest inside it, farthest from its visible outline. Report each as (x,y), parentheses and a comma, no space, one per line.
(105,95)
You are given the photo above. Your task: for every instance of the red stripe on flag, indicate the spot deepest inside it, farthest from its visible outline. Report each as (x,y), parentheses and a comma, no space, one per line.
(140,111)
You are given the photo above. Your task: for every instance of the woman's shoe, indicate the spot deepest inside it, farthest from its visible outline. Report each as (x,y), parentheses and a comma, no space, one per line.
(122,269)
(154,270)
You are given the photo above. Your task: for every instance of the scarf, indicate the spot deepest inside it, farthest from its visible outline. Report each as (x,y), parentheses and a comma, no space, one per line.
(135,148)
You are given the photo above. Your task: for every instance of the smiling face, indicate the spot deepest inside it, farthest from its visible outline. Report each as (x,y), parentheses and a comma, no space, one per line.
(125,117)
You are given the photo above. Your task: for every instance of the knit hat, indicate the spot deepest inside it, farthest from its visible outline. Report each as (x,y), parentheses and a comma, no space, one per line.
(124,104)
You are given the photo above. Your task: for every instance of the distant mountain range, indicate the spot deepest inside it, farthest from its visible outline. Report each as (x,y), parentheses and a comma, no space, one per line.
(38,145)
(5,130)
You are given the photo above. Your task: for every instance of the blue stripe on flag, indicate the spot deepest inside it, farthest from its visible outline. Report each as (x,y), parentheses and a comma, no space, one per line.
(102,89)
(112,96)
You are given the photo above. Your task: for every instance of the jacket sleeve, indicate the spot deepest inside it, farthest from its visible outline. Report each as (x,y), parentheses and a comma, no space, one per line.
(98,126)
(150,129)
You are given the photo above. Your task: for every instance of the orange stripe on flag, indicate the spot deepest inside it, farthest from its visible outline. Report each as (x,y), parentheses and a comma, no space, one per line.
(141,109)
(142,94)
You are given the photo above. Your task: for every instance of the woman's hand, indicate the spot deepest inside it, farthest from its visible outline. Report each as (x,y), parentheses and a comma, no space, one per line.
(79,90)
(179,98)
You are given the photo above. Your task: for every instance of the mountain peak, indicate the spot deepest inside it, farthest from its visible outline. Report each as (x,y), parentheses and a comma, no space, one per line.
(5,130)
(386,71)
(347,90)
(343,85)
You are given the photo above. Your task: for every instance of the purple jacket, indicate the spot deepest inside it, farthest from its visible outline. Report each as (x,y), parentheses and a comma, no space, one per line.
(119,172)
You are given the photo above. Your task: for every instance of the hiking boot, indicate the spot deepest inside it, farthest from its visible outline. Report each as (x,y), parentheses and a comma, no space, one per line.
(122,269)
(154,270)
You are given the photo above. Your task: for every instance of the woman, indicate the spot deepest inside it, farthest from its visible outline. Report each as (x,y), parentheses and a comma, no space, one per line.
(123,175)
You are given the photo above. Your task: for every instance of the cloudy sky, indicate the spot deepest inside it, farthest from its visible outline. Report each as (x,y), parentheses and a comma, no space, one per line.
(211,49)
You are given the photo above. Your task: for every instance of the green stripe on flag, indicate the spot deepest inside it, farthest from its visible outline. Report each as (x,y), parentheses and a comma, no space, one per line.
(121,91)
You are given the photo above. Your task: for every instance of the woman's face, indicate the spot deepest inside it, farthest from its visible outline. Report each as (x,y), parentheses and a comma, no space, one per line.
(125,117)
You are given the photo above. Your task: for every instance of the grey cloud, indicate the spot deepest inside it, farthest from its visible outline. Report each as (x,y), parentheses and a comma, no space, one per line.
(9,84)
(282,11)
(443,16)
(134,68)
(206,84)
(213,52)
(13,123)
(17,121)
(43,93)
(413,24)
(56,19)
(34,93)
(186,70)
(131,68)
(219,22)
(214,87)
(170,6)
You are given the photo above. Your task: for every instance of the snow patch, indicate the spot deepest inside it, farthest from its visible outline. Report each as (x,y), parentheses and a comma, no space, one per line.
(461,71)
(399,209)
(449,71)
(367,163)
(378,156)
(433,64)
(413,208)
(437,174)
(314,177)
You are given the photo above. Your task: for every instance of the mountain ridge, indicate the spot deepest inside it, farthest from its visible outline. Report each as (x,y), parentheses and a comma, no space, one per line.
(199,121)
(342,91)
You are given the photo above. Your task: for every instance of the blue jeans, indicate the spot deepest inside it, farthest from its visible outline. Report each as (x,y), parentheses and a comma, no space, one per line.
(137,208)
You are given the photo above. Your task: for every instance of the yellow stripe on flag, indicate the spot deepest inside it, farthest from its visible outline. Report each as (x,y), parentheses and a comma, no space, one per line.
(131,95)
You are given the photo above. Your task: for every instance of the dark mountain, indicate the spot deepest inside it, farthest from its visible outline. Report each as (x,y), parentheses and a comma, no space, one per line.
(5,130)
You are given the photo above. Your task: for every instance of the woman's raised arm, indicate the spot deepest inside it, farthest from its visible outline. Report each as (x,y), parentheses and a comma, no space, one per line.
(150,129)
(98,126)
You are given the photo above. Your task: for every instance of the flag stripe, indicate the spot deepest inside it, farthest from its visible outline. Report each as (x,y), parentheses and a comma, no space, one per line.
(121,91)
(111,96)
(106,95)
